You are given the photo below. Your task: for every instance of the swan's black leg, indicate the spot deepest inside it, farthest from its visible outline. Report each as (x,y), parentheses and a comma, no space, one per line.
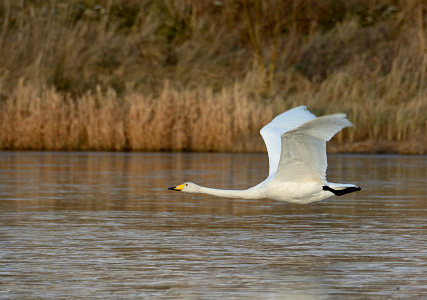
(347,190)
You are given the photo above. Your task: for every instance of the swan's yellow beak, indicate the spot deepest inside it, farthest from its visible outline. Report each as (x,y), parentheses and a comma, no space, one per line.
(177,188)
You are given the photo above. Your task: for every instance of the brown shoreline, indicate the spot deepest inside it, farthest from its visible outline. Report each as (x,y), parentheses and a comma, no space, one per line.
(364,147)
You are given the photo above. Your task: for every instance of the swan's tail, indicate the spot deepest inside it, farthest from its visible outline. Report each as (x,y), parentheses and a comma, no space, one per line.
(340,189)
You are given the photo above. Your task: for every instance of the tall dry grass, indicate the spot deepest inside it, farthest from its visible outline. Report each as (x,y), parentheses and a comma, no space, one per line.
(174,120)
(207,75)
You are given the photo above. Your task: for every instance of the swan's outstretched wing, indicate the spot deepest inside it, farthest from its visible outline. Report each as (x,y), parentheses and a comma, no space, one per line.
(303,155)
(273,131)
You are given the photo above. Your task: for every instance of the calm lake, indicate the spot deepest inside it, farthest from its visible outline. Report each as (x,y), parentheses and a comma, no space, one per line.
(104,225)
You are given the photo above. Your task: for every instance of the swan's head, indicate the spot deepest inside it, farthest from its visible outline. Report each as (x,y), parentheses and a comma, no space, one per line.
(187,187)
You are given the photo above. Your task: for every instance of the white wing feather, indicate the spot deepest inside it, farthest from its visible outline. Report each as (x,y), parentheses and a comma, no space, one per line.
(303,153)
(273,131)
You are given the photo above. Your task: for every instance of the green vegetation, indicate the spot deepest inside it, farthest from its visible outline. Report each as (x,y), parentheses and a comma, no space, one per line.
(201,74)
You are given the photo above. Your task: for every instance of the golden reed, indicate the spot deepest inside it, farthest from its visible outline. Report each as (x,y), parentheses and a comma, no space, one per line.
(196,120)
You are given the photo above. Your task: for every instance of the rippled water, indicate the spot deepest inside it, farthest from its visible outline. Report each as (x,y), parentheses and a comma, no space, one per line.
(78,225)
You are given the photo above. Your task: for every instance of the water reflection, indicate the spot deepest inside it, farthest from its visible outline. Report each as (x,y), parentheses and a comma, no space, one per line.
(104,224)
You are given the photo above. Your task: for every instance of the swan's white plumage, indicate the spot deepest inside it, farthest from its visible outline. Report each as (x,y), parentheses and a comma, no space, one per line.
(273,131)
(303,154)
(296,146)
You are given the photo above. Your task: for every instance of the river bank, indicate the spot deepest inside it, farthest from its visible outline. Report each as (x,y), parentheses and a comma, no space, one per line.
(202,75)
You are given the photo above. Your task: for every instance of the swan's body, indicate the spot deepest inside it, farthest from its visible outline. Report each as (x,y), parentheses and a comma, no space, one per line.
(296,145)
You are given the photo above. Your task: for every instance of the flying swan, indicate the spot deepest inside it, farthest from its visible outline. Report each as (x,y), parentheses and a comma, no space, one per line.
(296,146)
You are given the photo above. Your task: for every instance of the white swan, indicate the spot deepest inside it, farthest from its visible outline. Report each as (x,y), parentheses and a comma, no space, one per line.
(296,145)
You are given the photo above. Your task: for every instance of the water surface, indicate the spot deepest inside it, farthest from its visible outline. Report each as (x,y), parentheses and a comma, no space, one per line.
(104,225)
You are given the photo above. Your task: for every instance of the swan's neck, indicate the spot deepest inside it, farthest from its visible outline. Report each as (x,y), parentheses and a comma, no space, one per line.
(244,194)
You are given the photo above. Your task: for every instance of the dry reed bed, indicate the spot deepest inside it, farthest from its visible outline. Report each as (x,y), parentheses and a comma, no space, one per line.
(207,75)
(172,121)
(199,120)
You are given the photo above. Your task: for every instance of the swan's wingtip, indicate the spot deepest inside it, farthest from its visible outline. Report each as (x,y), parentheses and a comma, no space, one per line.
(304,107)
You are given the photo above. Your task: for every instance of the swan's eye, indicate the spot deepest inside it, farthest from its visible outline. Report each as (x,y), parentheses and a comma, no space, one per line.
(186,184)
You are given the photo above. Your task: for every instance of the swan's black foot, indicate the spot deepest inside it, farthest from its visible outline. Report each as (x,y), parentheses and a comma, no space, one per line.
(347,190)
